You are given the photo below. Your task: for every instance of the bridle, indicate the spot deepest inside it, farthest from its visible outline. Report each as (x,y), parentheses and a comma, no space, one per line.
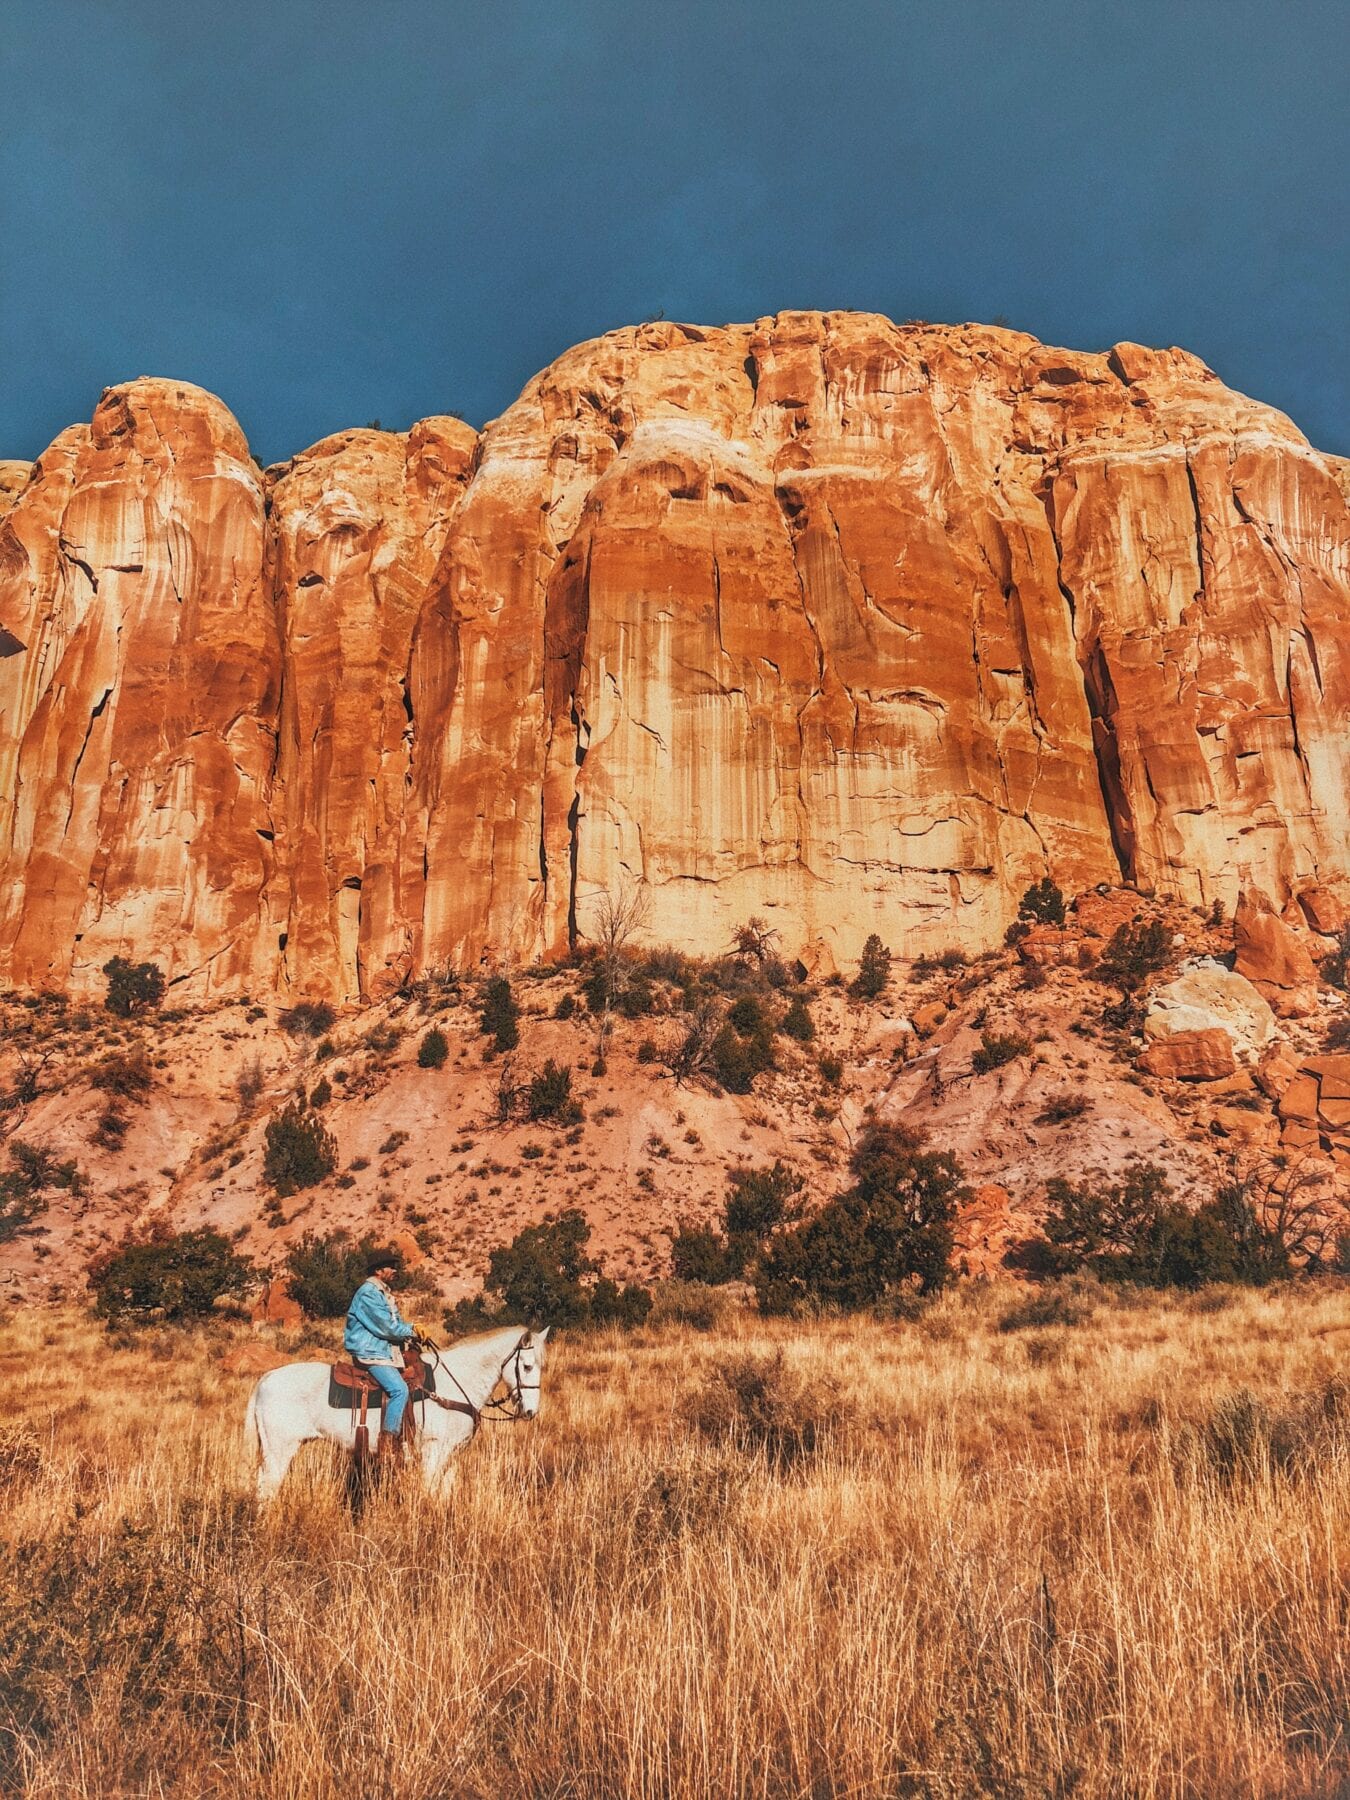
(504,1409)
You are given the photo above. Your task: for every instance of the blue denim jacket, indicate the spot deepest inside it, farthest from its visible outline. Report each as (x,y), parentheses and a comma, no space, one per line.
(374,1325)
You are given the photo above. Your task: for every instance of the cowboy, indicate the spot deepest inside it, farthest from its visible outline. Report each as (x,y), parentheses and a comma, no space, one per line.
(375,1330)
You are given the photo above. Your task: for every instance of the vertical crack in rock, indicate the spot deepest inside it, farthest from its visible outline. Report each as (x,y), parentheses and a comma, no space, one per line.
(1099,692)
(67,549)
(1199,529)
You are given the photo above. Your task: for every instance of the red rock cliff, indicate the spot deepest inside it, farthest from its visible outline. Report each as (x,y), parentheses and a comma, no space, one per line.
(856,625)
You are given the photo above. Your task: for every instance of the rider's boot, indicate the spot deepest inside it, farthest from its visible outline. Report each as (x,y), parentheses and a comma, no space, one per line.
(389,1453)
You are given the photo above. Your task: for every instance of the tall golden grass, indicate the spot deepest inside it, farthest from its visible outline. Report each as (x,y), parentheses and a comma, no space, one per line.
(1066,1562)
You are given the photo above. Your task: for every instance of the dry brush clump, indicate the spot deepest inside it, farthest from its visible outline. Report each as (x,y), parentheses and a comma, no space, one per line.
(994,1578)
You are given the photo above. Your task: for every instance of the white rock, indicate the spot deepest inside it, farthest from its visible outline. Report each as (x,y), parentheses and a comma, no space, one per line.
(1205,995)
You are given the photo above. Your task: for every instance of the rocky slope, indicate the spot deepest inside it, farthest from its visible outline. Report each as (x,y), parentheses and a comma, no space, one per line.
(1207,1078)
(856,625)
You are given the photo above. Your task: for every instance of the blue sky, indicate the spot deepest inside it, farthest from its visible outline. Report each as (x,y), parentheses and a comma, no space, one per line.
(330,211)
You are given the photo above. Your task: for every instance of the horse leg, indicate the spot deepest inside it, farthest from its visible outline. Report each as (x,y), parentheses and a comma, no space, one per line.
(438,1470)
(277,1456)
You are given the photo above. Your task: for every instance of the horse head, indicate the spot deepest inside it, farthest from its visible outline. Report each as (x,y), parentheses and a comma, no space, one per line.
(523,1372)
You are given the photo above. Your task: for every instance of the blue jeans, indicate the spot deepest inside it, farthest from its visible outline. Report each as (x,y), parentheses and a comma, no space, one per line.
(396,1389)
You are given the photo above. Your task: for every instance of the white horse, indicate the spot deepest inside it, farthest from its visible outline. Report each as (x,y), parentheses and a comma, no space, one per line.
(289,1406)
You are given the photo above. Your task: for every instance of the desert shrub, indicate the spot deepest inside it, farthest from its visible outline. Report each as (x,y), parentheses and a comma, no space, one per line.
(1042,902)
(757,1204)
(321,1093)
(129,1077)
(129,1610)
(32,1173)
(891,1229)
(544,1276)
(1254,1230)
(624,989)
(737,1060)
(610,1304)
(177,1275)
(755,941)
(1053,1305)
(647,1051)
(692,1054)
(699,1254)
(549,1095)
(1064,1106)
(537,1277)
(132,986)
(566,1006)
(831,1070)
(697,1304)
(1336,965)
(500,1014)
(112,1127)
(299,1152)
(248,1083)
(433,1049)
(1244,1438)
(324,1271)
(997,1049)
(797,1022)
(757,1199)
(1337,1038)
(1136,951)
(874,970)
(748,1018)
(763,1405)
(309,1018)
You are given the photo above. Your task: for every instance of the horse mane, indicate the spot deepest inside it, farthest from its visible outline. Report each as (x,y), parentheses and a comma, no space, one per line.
(481,1337)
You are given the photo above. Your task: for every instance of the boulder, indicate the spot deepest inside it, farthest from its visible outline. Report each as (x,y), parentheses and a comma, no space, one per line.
(1273,957)
(1241,1124)
(1204,996)
(276,1306)
(1323,911)
(926,1018)
(817,960)
(1048,946)
(1191,1056)
(983,1231)
(1277,1068)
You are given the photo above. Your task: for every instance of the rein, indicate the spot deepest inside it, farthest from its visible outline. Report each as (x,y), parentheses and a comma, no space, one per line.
(505,1409)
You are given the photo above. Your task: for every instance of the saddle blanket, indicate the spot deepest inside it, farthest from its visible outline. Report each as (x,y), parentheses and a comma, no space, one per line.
(345,1393)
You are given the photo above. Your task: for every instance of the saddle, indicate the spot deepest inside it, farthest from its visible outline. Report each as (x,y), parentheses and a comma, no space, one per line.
(351,1388)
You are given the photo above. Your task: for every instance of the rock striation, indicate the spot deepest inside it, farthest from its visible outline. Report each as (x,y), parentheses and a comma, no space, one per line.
(855,625)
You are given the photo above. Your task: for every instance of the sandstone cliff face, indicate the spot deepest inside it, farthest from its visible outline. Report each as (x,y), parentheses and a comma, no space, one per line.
(859,626)
(356,529)
(136,728)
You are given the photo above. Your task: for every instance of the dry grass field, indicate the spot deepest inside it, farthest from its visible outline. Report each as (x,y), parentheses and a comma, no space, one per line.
(1104,1558)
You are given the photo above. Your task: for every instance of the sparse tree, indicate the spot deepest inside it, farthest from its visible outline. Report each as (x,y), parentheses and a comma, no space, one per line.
(1043,902)
(874,970)
(693,1053)
(132,986)
(755,941)
(615,919)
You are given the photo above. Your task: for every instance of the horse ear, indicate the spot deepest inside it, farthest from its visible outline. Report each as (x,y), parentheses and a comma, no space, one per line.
(539,1336)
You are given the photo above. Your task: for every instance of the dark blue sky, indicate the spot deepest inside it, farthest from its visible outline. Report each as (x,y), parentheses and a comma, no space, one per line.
(329,211)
